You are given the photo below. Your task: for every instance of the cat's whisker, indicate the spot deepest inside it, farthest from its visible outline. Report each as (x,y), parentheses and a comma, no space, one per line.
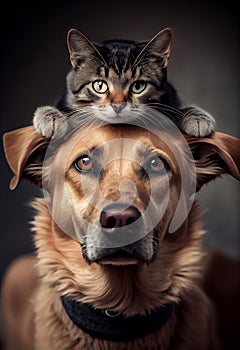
(143,119)
(151,111)
(165,109)
(79,114)
(80,118)
(139,121)
(153,120)
(85,123)
(161,106)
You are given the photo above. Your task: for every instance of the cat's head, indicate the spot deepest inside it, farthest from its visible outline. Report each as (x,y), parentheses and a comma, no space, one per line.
(117,78)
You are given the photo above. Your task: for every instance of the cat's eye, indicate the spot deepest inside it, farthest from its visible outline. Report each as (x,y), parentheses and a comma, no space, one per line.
(156,165)
(83,164)
(138,86)
(100,86)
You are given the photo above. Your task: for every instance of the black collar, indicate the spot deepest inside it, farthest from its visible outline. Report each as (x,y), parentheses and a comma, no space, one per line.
(114,327)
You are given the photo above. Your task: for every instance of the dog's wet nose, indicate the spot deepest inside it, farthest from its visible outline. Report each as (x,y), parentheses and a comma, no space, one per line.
(118,215)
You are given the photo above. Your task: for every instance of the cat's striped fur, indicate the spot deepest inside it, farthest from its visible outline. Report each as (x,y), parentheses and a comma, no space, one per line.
(118,80)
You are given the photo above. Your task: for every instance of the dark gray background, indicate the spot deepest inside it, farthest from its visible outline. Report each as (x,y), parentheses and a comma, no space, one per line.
(204,67)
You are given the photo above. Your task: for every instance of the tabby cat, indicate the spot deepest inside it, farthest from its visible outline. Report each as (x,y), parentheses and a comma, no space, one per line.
(117,80)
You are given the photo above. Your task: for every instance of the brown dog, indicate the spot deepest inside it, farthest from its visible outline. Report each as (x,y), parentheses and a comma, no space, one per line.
(116,267)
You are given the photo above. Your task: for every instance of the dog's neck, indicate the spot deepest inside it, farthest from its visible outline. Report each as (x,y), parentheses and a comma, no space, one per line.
(153,285)
(103,324)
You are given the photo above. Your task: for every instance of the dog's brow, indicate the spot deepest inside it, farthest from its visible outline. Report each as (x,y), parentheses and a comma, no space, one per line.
(89,150)
(147,150)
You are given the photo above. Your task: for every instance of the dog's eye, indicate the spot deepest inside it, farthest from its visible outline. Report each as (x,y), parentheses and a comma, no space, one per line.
(83,164)
(100,86)
(157,165)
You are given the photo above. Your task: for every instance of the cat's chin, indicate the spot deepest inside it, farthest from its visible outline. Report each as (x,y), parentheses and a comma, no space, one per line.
(116,119)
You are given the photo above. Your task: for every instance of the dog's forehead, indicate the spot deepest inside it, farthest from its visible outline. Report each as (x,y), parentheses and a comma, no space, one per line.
(120,141)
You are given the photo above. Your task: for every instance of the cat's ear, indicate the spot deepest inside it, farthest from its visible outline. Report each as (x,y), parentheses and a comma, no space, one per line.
(215,155)
(25,150)
(79,47)
(160,46)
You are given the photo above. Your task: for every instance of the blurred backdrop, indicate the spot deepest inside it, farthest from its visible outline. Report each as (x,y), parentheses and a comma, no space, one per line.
(204,67)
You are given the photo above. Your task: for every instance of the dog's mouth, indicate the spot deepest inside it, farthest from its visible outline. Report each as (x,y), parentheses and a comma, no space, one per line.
(138,253)
(121,239)
(119,258)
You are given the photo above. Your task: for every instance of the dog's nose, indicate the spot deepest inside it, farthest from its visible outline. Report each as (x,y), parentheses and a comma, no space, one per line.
(118,215)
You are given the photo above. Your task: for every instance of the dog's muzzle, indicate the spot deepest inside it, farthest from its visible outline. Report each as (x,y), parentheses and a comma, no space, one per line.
(118,215)
(120,223)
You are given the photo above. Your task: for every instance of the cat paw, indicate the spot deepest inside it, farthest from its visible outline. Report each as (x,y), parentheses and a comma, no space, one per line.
(197,123)
(48,121)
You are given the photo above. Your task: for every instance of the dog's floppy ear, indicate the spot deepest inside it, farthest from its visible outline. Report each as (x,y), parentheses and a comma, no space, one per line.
(215,155)
(24,150)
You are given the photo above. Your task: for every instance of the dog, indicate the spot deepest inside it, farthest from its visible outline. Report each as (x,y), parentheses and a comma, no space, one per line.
(119,256)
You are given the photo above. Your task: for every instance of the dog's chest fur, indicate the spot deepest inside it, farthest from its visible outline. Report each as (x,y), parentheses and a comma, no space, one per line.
(52,335)
(54,329)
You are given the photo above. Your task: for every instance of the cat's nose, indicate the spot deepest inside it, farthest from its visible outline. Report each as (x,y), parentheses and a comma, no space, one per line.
(118,106)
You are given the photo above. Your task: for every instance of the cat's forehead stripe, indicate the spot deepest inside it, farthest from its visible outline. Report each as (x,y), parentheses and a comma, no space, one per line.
(112,73)
(103,70)
(128,74)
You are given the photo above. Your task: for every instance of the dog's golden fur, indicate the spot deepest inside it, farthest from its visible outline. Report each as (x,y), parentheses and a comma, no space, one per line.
(173,275)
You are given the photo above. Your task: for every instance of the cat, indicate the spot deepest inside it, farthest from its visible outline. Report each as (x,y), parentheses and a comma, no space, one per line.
(117,80)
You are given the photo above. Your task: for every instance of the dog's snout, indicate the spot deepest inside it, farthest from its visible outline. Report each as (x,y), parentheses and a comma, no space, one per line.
(118,215)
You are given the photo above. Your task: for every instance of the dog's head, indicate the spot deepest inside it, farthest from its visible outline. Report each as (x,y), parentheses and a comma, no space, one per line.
(117,189)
